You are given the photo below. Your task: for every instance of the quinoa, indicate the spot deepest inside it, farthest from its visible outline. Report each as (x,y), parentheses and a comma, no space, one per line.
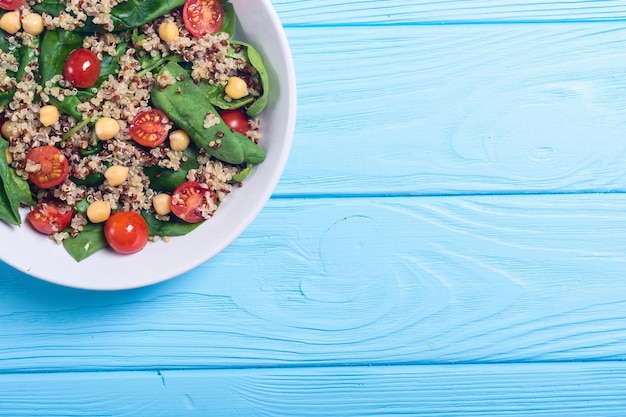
(210,120)
(121,96)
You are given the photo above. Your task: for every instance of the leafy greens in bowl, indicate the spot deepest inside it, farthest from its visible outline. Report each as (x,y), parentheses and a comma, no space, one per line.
(257,36)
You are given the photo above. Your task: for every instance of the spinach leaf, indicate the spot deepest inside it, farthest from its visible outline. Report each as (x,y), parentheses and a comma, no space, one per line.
(87,242)
(186,105)
(82,206)
(127,15)
(26,55)
(230,18)
(6,212)
(162,179)
(173,227)
(247,51)
(93,179)
(52,7)
(13,191)
(110,65)
(29,55)
(5,45)
(215,93)
(58,45)
(242,175)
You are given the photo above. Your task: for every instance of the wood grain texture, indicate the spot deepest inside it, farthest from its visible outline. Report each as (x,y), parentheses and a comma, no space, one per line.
(458,110)
(446,239)
(476,390)
(355,281)
(399,12)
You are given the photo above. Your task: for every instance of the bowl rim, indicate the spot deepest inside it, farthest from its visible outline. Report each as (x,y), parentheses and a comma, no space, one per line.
(277,158)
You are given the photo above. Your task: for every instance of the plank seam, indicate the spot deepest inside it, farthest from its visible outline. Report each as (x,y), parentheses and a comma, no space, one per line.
(311,196)
(428,23)
(158,371)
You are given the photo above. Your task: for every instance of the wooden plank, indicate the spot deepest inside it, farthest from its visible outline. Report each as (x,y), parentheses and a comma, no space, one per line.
(461,109)
(373,12)
(359,281)
(590,389)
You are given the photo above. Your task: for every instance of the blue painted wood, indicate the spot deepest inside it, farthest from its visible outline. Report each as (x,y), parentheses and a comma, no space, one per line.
(460,390)
(355,281)
(462,109)
(400,12)
(455,194)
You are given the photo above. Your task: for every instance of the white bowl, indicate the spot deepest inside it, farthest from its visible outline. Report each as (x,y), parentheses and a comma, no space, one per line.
(37,255)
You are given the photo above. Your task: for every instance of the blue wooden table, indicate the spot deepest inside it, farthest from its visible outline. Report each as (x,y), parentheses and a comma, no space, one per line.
(448,238)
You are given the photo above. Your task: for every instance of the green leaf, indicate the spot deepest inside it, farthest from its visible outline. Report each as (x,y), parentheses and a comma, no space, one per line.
(248,52)
(185,103)
(230,18)
(215,94)
(57,46)
(26,55)
(52,7)
(87,242)
(242,175)
(14,190)
(148,65)
(6,212)
(126,15)
(93,179)
(82,206)
(162,179)
(110,65)
(173,227)
(5,45)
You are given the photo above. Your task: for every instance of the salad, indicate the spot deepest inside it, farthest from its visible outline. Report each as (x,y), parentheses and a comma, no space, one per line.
(124,121)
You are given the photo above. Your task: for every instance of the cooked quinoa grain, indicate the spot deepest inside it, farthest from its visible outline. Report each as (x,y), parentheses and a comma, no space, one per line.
(108,168)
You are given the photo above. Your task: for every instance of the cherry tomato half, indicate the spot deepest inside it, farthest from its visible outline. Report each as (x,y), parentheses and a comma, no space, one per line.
(150,127)
(236,120)
(50,216)
(11,4)
(126,232)
(53,167)
(82,68)
(203,16)
(189,200)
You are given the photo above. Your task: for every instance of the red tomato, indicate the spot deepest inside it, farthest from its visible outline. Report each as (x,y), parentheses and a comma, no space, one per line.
(82,68)
(11,4)
(53,167)
(235,119)
(189,200)
(50,216)
(150,127)
(203,16)
(126,232)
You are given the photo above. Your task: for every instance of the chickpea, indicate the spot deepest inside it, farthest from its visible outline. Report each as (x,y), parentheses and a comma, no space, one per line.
(9,156)
(236,88)
(32,23)
(107,128)
(116,175)
(179,140)
(10,22)
(162,204)
(98,211)
(10,130)
(168,31)
(48,115)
